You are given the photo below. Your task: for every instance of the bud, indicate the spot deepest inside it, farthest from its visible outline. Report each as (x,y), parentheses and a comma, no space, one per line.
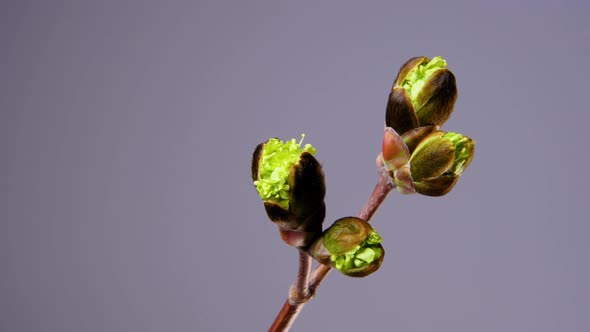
(394,150)
(423,94)
(290,182)
(438,161)
(400,114)
(351,246)
(395,156)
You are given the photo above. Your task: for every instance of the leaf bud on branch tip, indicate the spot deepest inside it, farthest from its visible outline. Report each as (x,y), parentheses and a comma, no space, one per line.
(290,182)
(424,93)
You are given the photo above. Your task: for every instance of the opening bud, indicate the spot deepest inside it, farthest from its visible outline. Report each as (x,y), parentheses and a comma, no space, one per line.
(424,93)
(273,166)
(351,246)
(290,182)
(439,160)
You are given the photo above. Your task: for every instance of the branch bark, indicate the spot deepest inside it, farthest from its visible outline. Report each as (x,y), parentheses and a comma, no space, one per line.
(299,294)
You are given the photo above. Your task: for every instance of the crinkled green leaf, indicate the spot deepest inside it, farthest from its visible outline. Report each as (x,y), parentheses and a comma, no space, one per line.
(362,255)
(274,167)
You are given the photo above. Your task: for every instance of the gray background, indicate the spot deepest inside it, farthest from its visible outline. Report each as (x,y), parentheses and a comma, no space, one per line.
(126,134)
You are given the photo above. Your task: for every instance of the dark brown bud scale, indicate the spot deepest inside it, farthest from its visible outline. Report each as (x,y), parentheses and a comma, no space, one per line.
(432,104)
(400,114)
(437,98)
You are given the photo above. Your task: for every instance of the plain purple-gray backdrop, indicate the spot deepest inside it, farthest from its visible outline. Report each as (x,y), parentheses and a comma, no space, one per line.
(127,129)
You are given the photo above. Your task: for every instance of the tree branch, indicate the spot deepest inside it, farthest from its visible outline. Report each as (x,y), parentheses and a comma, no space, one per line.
(304,287)
(299,294)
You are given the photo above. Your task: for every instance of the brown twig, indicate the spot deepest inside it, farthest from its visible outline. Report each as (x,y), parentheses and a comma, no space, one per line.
(299,294)
(304,287)
(382,188)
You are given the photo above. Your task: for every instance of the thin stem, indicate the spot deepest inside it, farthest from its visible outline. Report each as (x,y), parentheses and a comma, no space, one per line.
(318,275)
(299,294)
(382,188)
(294,303)
(286,317)
(301,289)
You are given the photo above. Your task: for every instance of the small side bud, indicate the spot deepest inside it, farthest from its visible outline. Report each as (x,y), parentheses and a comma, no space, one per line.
(351,246)
(395,157)
(399,113)
(394,151)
